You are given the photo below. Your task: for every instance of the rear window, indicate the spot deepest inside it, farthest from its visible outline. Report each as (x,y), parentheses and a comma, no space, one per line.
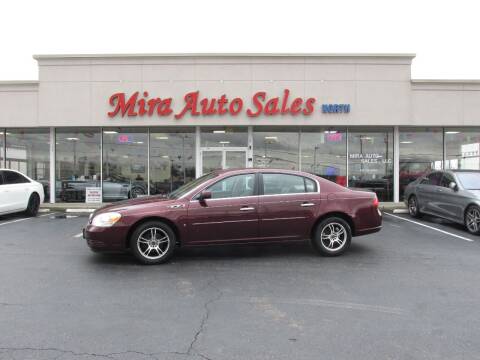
(274,184)
(11,177)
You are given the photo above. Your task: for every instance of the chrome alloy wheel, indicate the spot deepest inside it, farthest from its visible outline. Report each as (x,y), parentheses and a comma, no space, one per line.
(334,236)
(473,219)
(412,206)
(153,243)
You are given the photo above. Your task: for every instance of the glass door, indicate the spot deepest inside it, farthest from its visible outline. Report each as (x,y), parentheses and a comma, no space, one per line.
(215,158)
(235,159)
(211,160)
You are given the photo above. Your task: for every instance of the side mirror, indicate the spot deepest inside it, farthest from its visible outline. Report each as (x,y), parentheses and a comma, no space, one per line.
(204,195)
(453,186)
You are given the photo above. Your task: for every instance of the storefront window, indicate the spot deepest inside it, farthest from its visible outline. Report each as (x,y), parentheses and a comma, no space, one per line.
(77,163)
(124,163)
(462,148)
(324,153)
(370,161)
(28,151)
(172,159)
(275,149)
(224,137)
(421,150)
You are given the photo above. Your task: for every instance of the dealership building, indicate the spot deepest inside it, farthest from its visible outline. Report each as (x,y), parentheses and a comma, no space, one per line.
(120,126)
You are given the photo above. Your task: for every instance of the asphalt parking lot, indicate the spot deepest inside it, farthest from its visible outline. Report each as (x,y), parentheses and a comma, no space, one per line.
(408,292)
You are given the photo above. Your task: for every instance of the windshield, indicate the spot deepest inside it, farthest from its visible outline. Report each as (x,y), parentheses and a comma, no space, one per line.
(470,181)
(182,190)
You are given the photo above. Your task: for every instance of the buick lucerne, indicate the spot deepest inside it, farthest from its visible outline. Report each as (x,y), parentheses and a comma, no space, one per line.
(236,207)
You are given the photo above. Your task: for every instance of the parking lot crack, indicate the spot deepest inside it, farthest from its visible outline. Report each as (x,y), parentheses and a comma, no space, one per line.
(207,310)
(60,351)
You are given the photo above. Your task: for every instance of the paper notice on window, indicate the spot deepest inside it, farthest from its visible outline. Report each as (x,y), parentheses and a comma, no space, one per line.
(93,195)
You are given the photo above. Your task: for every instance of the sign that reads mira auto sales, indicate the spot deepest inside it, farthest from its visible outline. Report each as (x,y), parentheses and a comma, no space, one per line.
(139,105)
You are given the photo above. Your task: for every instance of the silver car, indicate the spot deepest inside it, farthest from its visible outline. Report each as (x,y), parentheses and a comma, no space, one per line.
(452,195)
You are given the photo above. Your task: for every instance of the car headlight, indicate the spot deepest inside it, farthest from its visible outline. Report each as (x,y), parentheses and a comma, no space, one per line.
(106,219)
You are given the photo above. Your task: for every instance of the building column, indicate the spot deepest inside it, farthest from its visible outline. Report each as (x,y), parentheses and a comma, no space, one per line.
(198,162)
(250,148)
(52,165)
(396,164)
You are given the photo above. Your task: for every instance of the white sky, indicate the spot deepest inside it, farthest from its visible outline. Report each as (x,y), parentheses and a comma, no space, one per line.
(445,35)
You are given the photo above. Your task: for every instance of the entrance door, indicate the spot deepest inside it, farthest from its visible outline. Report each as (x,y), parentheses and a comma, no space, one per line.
(214,158)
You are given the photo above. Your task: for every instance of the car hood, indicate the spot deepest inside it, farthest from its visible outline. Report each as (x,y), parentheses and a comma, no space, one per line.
(126,204)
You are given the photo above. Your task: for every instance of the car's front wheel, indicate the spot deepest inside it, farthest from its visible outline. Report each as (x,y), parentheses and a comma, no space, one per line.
(153,242)
(332,236)
(33,205)
(413,208)
(472,219)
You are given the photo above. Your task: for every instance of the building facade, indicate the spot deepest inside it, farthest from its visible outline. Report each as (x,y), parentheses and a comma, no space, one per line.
(132,125)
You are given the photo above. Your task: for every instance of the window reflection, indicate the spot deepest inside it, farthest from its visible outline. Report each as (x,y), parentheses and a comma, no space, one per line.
(324,153)
(224,137)
(77,163)
(172,159)
(421,150)
(370,161)
(462,148)
(28,151)
(124,163)
(275,149)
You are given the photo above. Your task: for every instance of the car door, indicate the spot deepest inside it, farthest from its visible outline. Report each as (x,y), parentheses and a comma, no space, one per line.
(229,216)
(5,202)
(426,192)
(17,190)
(287,206)
(450,201)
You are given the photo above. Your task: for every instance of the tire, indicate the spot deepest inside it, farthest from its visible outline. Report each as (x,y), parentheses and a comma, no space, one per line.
(472,219)
(157,249)
(332,236)
(135,192)
(33,205)
(413,209)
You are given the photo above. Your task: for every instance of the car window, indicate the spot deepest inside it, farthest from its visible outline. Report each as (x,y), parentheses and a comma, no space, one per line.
(1,177)
(233,186)
(446,180)
(433,179)
(286,184)
(11,177)
(310,185)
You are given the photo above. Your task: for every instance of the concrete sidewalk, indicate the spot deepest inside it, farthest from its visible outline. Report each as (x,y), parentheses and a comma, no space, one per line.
(87,208)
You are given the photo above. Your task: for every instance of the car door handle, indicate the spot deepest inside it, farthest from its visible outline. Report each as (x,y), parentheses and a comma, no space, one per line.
(439,190)
(307,204)
(246,208)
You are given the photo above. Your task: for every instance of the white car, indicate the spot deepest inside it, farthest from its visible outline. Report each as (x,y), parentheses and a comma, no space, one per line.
(19,193)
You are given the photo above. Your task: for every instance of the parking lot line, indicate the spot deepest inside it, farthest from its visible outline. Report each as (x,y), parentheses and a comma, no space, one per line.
(23,219)
(430,227)
(78,235)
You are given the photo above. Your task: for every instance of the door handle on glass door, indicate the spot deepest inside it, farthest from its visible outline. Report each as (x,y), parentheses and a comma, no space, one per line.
(306,204)
(246,208)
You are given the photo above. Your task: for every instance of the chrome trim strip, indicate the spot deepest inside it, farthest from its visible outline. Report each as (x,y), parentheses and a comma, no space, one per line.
(223,222)
(285,218)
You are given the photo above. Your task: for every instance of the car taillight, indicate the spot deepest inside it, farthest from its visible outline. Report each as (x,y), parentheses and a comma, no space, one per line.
(375,201)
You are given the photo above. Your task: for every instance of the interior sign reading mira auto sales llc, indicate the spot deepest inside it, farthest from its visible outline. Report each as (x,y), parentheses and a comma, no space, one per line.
(194,105)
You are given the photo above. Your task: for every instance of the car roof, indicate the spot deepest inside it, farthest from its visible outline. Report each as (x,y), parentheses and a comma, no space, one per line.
(464,171)
(255,170)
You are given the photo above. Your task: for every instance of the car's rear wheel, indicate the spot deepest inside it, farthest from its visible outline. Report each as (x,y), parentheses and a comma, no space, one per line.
(332,236)
(33,205)
(413,209)
(153,242)
(472,219)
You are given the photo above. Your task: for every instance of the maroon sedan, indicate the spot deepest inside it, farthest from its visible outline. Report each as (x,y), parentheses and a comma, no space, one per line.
(247,206)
